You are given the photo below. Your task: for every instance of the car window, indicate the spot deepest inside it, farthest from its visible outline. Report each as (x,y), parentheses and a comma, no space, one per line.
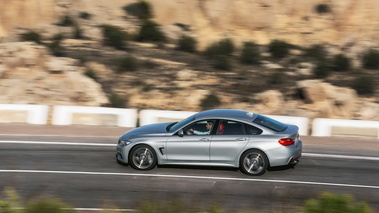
(227,127)
(180,124)
(252,130)
(203,127)
(270,123)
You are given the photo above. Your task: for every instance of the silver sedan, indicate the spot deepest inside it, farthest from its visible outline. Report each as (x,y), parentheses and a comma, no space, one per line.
(221,137)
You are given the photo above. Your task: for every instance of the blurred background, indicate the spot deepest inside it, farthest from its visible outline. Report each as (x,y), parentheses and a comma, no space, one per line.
(311,58)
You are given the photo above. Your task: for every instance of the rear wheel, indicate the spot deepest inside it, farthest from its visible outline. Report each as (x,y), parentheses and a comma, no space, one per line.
(254,162)
(142,157)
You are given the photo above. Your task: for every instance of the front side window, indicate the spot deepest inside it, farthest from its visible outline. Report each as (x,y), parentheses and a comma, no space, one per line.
(203,127)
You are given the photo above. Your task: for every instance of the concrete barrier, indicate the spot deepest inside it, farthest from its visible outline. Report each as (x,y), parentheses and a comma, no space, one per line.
(160,116)
(301,122)
(334,127)
(67,115)
(24,113)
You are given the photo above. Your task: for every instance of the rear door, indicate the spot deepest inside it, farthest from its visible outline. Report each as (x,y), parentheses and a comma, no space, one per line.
(228,142)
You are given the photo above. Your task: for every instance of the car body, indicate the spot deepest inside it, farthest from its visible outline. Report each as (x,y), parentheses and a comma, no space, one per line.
(219,137)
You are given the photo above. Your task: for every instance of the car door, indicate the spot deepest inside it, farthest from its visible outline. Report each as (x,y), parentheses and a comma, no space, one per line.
(190,148)
(228,142)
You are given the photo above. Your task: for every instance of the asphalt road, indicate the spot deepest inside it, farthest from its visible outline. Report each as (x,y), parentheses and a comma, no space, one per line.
(83,173)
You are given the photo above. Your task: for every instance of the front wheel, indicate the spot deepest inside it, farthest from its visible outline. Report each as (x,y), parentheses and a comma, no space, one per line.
(254,162)
(142,157)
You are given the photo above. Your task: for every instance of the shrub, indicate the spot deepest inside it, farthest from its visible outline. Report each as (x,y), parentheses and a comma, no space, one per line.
(117,101)
(370,59)
(250,53)
(322,8)
(187,44)
(222,62)
(341,63)
(184,27)
(113,36)
(47,206)
(56,48)
(322,69)
(127,63)
(90,73)
(66,21)
(224,47)
(32,36)
(316,52)
(210,101)
(364,85)
(150,31)
(279,49)
(141,9)
(331,203)
(85,15)
(78,32)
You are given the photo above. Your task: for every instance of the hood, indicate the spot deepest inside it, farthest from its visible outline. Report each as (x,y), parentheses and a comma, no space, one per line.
(147,129)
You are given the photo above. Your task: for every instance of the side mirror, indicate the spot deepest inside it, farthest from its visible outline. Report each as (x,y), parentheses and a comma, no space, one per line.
(181,133)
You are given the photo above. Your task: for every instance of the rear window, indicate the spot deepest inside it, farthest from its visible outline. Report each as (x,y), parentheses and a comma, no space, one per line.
(270,123)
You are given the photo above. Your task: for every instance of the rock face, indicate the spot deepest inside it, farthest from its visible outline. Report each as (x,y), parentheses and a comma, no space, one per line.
(261,21)
(29,75)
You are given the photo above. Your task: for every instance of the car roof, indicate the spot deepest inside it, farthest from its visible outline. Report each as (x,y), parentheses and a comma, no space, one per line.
(227,113)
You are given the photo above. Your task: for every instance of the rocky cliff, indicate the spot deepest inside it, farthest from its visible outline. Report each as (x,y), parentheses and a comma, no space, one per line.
(339,22)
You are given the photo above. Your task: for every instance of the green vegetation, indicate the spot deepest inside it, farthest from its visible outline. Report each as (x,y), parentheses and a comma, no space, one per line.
(127,63)
(364,85)
(56,48)
(186,44)
(113,36)
(370,59)
(85,15)
(117,101)
(322,69)
(210,101)
(141,10)
(323,9)
(185,27)
(150,31)
(325,203)
(341,63)
(90,73)
(333,203)
(66,21)
(316,52)
(279,49)
(32,36)
(250,53)
(224,47)
(222,62)
(78,32)
(11,204)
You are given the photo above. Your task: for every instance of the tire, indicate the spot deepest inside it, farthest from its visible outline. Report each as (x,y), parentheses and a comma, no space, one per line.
(254,162)
(142,157)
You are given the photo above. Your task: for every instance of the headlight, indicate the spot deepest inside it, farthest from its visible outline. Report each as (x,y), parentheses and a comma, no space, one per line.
(123,143)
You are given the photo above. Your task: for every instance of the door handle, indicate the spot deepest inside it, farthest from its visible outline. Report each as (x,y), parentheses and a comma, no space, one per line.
(203,139)
(241,139)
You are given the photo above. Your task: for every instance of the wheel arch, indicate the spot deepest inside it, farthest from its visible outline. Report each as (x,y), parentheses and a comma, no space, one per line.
(249,149)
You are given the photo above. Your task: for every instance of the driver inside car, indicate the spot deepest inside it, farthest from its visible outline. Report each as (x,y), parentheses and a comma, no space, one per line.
(209,127)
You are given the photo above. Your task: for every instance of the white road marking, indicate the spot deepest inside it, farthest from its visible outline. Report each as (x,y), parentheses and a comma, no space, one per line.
(58,143)
(349,157)
(189,177)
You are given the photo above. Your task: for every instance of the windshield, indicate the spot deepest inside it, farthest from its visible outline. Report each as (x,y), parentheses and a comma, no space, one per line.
(270,123)
(176,126)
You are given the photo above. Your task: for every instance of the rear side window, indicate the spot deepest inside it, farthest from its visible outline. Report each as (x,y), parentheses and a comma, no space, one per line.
(270,123)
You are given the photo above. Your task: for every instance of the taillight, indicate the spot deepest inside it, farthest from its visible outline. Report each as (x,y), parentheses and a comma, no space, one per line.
(286,141)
